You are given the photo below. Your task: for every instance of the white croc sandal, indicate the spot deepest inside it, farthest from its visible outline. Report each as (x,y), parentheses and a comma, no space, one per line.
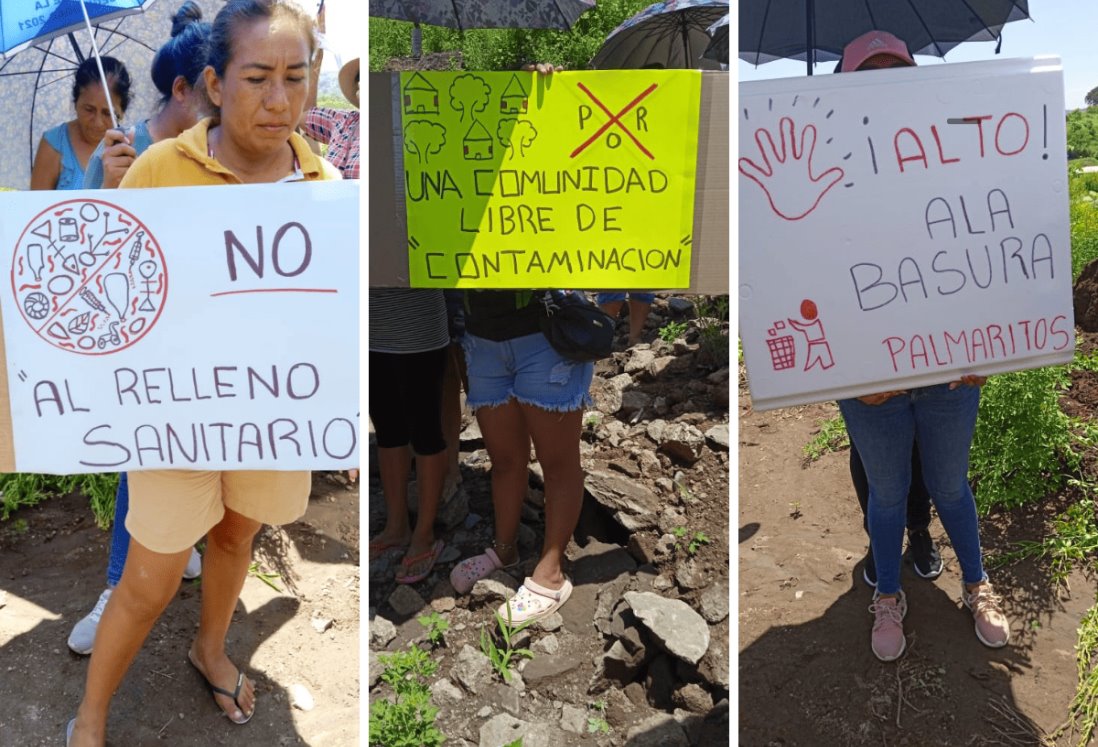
(533,602)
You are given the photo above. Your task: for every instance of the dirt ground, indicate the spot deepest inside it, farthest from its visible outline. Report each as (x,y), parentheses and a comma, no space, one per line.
(52,571)
(807,675)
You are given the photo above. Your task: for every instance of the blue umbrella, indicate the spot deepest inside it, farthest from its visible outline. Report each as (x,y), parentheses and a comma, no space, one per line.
(671,34)
(23,24)
(36,83)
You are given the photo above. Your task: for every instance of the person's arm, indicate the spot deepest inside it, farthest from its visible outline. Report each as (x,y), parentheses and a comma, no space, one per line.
(47,167)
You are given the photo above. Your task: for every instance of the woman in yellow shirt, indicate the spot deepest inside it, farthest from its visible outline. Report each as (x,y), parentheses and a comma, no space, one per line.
(257,79)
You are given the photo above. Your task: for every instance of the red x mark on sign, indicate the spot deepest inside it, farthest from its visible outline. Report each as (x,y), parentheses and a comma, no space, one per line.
(615,119)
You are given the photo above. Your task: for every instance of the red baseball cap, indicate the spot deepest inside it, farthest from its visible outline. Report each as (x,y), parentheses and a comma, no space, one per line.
(871,44)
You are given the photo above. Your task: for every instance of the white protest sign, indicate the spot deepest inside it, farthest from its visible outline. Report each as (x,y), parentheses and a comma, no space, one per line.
(900,228)
(186,328)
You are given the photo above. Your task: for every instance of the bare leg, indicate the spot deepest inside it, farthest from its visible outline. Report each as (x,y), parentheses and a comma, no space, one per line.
(224,567)
(508,444)
(638,315)
(613,308)
(556,441)
(395,464)
(148,584)
(430,474)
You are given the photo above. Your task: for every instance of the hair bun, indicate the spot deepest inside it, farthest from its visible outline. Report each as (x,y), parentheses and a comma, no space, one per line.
(185,16)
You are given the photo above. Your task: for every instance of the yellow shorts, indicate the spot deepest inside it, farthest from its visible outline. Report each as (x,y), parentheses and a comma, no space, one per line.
(170,510)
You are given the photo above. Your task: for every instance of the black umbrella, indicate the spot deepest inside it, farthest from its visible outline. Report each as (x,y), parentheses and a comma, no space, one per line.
(817,30)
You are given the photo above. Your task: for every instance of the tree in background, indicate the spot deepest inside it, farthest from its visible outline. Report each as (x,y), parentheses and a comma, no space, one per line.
(506,49)
(1091,98)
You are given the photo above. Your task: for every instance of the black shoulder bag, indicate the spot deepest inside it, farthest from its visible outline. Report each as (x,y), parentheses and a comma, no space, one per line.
(576,328)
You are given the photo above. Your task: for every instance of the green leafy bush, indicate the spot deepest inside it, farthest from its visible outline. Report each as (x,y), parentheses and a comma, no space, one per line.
(408,721)
(1022,447)
(1084,221)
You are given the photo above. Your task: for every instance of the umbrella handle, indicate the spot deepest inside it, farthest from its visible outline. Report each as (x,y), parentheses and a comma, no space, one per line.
(99,64)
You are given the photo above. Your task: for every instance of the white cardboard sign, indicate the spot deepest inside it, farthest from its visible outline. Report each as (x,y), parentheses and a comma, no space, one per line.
(900,228)
(186,328)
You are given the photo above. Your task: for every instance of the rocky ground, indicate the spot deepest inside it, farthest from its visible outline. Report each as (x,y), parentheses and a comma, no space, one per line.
(639,654)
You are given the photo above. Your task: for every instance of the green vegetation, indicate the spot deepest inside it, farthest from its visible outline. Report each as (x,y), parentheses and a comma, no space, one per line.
(437,626)
(20,489)
(409,720)
(256,571)
(1082,133)
(506,49)
(597,723)
(502,656)
(696,541)
(672,331)
(832,437)
(712,314)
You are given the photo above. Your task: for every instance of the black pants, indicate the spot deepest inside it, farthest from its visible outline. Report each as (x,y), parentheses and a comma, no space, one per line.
(918,499)
(406,400)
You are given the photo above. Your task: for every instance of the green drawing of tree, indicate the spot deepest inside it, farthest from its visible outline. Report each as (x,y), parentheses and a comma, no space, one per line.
(469,95)
(510,131)
(424,138)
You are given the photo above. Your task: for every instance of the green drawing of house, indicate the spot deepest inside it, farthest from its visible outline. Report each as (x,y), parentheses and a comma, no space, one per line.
(420,97)
(477,145)
(514,97)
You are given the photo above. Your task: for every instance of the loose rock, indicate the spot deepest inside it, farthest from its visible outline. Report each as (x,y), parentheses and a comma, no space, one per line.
(405,601)
(301,698)
(679,629)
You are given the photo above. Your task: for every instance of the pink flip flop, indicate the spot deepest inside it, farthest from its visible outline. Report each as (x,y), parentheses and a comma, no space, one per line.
(534,602)
(432,555)
(469,571)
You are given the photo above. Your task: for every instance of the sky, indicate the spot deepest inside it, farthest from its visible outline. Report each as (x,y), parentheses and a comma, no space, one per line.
(1060,27)
(346,34)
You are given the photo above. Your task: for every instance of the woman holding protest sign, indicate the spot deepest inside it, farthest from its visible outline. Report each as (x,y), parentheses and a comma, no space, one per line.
(884,429)
(176,70)
(64,151)
(521,389)
(256,78)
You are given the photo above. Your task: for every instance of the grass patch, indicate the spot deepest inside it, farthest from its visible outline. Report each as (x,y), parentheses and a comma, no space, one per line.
(832,437)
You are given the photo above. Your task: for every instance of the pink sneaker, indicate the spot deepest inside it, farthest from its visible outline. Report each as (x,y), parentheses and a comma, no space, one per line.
(888,640)
(992,626)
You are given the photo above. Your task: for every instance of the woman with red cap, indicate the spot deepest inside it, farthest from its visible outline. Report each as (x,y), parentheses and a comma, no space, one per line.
(884,429)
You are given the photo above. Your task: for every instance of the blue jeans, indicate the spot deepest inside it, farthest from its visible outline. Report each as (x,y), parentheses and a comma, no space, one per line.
(942,420)
(120,538)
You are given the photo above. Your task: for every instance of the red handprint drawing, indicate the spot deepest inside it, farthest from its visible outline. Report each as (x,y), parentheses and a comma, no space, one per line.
(786,174)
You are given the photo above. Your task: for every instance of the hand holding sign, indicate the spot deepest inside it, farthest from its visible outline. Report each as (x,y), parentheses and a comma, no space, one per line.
(786,174)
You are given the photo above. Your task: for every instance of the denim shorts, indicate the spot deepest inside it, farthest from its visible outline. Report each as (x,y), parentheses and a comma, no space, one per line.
(528,369)
(602,298)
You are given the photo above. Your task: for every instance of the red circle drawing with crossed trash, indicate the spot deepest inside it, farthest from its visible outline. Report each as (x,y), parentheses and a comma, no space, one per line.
(89,277)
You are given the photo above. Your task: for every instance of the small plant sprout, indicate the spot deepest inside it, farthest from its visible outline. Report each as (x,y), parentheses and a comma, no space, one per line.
(596,723)
(672,331)
(502,656)
(696,542)
(264,576)
(436,626)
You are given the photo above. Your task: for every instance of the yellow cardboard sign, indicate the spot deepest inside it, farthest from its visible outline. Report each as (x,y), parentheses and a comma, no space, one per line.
(571,180)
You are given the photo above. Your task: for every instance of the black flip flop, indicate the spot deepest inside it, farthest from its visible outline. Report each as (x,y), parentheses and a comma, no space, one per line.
(221,691)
